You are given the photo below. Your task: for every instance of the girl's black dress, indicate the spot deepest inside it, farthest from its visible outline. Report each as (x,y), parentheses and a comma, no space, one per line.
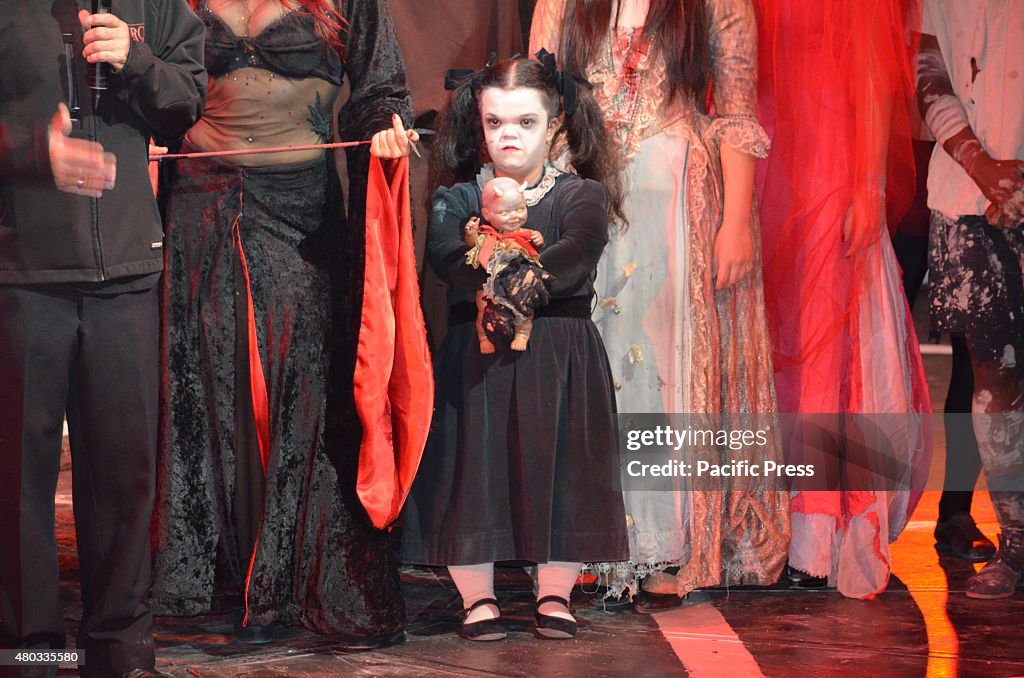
(521,463)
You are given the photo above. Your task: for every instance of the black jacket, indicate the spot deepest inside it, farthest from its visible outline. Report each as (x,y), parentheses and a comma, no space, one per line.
(50,236)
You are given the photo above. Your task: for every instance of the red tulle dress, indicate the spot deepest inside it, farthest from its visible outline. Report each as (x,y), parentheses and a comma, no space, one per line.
(835,89)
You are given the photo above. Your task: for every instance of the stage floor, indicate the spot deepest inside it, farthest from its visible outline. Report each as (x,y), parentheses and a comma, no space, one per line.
(922,626)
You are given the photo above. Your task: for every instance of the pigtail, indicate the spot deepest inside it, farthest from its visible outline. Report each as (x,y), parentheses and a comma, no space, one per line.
(455,155)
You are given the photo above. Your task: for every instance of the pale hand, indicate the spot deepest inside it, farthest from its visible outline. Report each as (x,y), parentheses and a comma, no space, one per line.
(733,255)
(471,231)
(862,225)
(79,166)
(390,144)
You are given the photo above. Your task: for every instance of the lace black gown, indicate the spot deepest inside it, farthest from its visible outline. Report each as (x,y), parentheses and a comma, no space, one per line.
(289,544)
(521,463)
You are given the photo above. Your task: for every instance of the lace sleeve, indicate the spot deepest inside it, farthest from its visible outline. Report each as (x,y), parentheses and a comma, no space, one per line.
(742,132)
(733,38)
(546,27)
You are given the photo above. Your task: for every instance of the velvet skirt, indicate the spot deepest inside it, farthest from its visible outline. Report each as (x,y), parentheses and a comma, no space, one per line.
(521,463)
(262,520)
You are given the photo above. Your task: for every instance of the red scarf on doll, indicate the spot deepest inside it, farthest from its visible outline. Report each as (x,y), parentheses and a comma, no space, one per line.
(519,238)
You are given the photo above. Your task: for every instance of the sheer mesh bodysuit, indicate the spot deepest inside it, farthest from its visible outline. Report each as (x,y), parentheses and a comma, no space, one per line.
(272,83)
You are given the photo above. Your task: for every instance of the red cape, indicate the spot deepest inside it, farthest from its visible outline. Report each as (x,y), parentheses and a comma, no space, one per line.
(394,385)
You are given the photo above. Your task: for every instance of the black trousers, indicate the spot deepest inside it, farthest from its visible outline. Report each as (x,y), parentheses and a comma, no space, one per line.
(93,354)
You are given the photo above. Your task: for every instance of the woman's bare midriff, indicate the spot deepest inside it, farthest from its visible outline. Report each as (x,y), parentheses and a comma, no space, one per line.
(253,108)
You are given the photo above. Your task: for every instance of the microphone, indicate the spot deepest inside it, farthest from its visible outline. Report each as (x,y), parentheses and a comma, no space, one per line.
(97,75)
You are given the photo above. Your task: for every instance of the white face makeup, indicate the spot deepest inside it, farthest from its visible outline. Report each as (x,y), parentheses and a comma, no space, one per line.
(516,131)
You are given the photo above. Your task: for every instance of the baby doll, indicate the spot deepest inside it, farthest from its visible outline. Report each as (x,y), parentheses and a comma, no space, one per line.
(510,256)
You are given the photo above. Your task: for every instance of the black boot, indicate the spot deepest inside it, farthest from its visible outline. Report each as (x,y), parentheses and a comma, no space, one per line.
(960,537)
(798,579)
(1001,576)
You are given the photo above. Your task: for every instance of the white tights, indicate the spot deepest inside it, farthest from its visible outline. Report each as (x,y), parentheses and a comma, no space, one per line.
(476,582)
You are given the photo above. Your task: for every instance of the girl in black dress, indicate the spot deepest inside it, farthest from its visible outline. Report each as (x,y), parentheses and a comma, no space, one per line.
(521,463)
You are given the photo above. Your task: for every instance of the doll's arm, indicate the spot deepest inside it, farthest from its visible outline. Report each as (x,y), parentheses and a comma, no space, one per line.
(471,232)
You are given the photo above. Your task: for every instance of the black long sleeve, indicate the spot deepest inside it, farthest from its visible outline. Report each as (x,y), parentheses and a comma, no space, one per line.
(167,88)
(375,69)
(583,225)
(446,249)
(376,73)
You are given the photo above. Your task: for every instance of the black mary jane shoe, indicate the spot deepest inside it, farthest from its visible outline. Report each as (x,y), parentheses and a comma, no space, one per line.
(647,602)
(554,628)
(484,630)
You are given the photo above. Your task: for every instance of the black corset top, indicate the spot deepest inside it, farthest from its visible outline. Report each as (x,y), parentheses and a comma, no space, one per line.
(288,47)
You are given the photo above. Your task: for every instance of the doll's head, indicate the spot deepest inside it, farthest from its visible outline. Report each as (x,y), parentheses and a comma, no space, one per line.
(504,204)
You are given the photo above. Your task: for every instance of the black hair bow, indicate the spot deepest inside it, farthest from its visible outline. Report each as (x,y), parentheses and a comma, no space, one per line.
(566,83)
(455,78)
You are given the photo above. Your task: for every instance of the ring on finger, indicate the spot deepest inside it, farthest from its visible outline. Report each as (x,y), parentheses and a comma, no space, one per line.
(80,183)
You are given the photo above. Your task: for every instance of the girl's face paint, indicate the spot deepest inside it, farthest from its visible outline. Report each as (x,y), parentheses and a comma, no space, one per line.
(517,131)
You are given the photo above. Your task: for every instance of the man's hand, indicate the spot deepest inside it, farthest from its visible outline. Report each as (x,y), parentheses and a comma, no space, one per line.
(106,38)
(1002,182)
(79,166)
(536,238)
